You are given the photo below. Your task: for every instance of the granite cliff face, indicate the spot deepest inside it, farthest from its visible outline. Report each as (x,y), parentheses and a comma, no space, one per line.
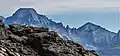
(38,41)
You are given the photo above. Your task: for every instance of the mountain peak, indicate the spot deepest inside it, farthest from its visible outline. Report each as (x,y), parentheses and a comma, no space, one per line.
(119,32)
(89,23)
(25,11)
(28,16)
(89,26)
(67,26)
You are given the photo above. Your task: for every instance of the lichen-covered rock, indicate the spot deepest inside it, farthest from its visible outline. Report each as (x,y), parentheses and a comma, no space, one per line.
(40,43)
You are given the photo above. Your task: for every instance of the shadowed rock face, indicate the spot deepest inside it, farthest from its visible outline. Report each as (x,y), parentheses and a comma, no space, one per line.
(44,43)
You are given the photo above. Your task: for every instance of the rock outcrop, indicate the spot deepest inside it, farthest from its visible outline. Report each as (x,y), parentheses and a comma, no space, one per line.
(38,41)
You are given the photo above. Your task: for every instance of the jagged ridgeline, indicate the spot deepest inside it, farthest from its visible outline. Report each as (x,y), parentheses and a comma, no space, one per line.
(89,35)
(21,40)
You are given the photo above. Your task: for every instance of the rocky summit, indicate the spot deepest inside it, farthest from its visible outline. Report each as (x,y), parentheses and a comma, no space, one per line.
(20,40)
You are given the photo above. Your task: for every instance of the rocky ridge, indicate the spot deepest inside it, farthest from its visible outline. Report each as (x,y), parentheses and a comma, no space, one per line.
(38,41)
(91,36)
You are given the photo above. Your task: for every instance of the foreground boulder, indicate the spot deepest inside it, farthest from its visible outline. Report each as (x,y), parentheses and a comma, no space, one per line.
(36,41)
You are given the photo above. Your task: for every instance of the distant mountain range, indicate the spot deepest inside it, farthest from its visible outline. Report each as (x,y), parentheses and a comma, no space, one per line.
(89,35)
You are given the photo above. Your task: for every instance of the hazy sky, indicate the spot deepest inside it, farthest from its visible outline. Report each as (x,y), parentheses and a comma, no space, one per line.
(71,12)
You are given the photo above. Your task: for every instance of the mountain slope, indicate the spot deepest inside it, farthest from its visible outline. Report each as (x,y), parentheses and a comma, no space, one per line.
(116,40)
(28,17)
(90,35)
(2,18)
(97,36)
(31,42)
